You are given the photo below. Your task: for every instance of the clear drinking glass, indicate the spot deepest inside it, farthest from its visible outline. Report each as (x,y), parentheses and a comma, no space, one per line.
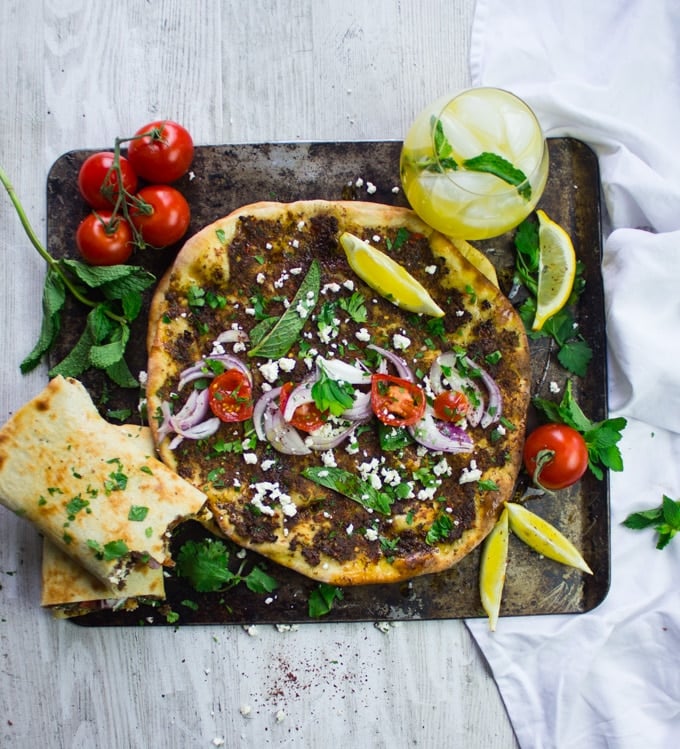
(474,166)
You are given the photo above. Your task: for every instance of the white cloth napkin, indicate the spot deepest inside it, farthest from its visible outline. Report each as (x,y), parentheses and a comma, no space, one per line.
(608,72)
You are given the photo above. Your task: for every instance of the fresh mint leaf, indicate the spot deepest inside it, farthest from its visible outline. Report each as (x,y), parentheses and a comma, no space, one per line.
(322,598)
(492,163)
(664,519)
(351,486)
(54,297)
(280,338)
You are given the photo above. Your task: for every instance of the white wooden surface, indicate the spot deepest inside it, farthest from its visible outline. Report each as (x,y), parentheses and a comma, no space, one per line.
(74,74)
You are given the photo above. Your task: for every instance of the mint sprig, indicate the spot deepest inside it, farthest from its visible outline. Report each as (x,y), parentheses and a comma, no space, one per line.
(351,486)
(664,519)
(113,294)
(274,337)
(487,162)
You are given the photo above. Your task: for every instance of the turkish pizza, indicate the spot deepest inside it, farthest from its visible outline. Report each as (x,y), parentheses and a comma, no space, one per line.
(336,429)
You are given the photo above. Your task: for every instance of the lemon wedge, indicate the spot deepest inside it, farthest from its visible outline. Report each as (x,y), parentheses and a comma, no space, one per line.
(557,269)
(387,277)
(477,258)
(543,537)
(493,565)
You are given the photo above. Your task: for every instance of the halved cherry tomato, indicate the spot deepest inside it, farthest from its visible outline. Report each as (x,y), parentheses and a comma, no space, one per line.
(395,401)
(167,218)
(98,184)
(231,396)
(164,155)
(451,405)
(555,455)
(307,417)
(103,239)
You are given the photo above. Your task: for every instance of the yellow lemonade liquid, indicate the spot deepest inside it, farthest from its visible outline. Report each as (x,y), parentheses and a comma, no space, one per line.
(462,202)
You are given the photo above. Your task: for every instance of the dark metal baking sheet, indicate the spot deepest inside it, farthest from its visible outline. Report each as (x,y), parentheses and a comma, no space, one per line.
(226,177)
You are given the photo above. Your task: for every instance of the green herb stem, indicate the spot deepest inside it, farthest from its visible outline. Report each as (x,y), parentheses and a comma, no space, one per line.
(53,264)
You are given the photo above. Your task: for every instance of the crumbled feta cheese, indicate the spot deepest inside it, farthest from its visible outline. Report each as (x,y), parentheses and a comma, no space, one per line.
(554,387)
(270,371)
(260,278)
(348,284)
(250,459)
(363,335)
(267,464)
(280,716)
(143,377)
(470,474)
(371,534)
(396,190)
(328,459)
(359,182)
(376,237)
(300,225)
(431,269)
(334,287)
(245,710)
(286,364)
(371,188)
(400,342)
(349,530)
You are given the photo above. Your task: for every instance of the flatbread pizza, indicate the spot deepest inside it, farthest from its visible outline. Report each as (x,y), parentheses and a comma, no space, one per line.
(332,429)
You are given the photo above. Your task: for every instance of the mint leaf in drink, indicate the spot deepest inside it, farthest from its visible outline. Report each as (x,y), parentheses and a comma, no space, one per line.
(492,163)
(281,336)
(664,519)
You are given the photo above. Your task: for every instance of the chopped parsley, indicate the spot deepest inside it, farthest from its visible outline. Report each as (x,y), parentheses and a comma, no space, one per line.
(322,598)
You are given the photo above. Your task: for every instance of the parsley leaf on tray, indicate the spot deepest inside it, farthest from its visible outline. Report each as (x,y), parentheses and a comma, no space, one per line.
(205,564)
(601,437)
(574,353)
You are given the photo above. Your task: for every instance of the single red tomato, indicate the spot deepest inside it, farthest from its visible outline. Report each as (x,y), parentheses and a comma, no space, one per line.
(164,219)
(164,154)
(98,180)
(451,405)
(231,396)
(395,401)
(104,239)
(555,455)
(307,417)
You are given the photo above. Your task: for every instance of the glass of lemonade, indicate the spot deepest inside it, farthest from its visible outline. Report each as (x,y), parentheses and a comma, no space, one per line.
(475,165)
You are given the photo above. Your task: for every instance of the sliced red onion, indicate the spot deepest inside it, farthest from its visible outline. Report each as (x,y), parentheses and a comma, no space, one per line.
(427,433)
(340,370)
(494,406)
(456,381)
(271,427)
(299,396)
(326,439)
(232,336)
(194,411)
(197,432)
(400,365)
(199,370)
(361,410)
(261,405)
